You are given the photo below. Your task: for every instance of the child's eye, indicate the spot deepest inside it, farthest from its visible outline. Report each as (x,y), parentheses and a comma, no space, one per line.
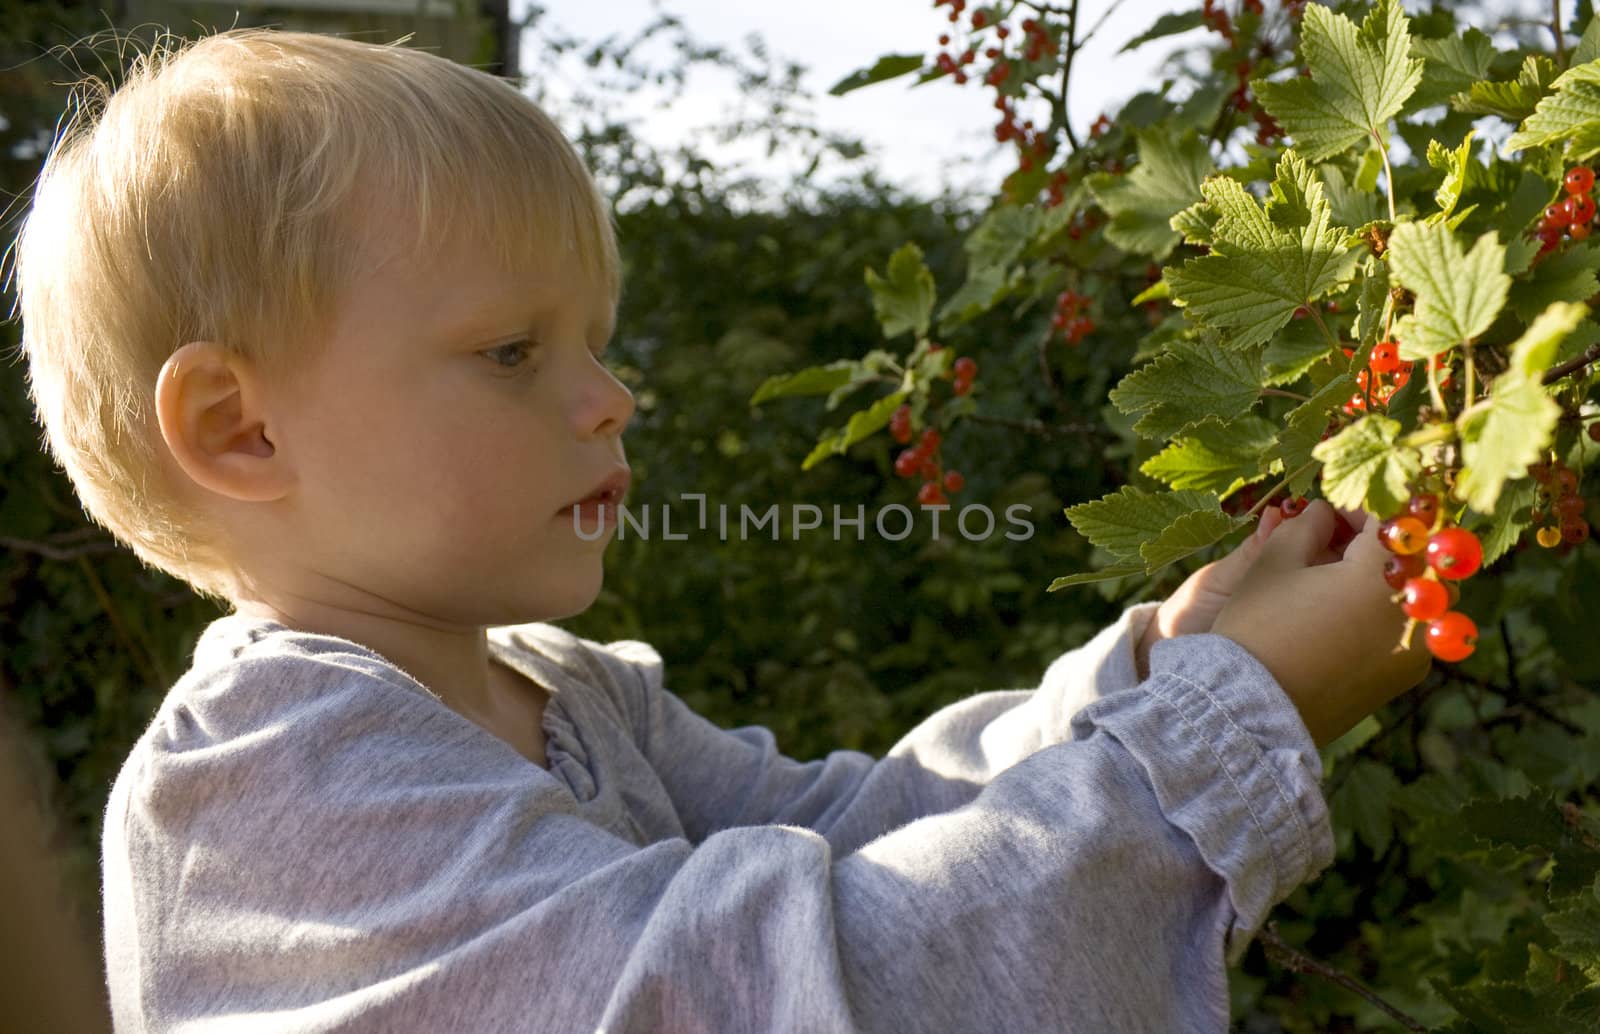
(518,350)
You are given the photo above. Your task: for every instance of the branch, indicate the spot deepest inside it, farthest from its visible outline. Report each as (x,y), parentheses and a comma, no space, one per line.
(1555,373)
(1555,29)
(1066,75)
(1039,427)
(1294,960)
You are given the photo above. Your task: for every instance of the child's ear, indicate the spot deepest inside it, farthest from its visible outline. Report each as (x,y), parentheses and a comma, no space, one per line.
(212,415)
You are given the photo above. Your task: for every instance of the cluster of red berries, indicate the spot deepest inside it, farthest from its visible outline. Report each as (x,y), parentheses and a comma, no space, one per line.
(923,460)
(1573,215)
(966,371)
(1384,361)
(1069,318)
(1428,560)
(1559,509)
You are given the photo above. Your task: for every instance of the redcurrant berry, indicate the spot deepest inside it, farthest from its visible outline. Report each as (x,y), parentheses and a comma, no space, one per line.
(1549,537)
(928,468)
(930,441)
(1403,535)
(1580,180)
(1566,480)
(1452,636)
(966,368)
(1574,532)
(907,462)
(1455,553)
(1594,431)
(961,386)
(1570,507)
(930,495)
(1385,357)
(1425,508)
(1556,217)
(1293,507)
(1425,599)
(1401,568)
(1579,231)
(953,481)
(1582,208)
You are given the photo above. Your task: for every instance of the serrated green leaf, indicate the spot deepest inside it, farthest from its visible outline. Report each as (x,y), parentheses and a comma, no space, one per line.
(1293,351)
(1509,521)
(1213,456)
(889,66)
(1191,382)
(1514,100)
(1364,467)
(1565,276)
(903,301)
(1121,523)
(1512,430)
(992,249)
(1104,574)
(1196,223)
(1143,201)
(1578,929)
(1455,165)
(1158,291)
(1352,204)
(813,380)
(1454,63)
(1187,535)
(1359,80)
(1371,302)
(1571,114)
(1264,262)
(1458,296)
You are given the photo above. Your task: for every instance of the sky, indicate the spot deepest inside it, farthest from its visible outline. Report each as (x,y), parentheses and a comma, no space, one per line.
(919,138)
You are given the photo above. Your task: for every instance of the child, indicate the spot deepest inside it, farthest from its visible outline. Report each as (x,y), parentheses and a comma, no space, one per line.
(311,324)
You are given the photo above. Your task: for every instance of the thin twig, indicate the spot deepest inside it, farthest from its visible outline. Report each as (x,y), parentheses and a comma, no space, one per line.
(1039,427)
(1066,75)
(1280,393)
(1299,962)
(51,551)
(1555,29)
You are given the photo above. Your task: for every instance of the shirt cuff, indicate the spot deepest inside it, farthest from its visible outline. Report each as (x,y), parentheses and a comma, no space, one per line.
(1232,765)
(1104,665)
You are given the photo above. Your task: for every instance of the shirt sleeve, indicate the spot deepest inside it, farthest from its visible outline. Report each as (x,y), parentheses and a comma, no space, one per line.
(721,778)
(372,862)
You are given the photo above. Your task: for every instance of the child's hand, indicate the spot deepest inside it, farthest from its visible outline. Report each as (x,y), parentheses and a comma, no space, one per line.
(1193,607)
(1327,630)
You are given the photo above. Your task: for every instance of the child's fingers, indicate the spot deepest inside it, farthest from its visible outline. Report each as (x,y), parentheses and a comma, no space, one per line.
(1299,542)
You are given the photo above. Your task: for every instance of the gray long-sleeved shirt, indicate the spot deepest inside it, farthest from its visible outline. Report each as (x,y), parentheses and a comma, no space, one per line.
(306,840)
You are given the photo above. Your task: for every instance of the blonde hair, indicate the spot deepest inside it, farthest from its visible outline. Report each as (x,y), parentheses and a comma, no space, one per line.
(223,193)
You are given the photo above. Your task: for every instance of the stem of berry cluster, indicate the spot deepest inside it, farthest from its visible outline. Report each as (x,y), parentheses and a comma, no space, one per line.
(1388,178)
(1261,503)
(1590,356)
(1299,962)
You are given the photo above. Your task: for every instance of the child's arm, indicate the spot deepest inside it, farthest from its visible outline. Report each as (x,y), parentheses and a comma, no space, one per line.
(719,778)
(335,852)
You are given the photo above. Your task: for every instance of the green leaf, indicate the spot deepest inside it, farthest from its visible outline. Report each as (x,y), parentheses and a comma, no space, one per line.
(904,301)
(1166,25)
(1514,100)
(1264,262)
(1365,803)
(1509,520)
(1458,296)
(1455,165)
(1121,523)
(1568,275)
(1213,456)
(1453,63)
(814,380)
(1293,351)
(1187,535)
(1364,467)
(861,424)
(1104,574)
(992,249)
(1500,441)
(1588,47)
(1191,382)
(1571,114)
(1372,301)
(1302,431)
(890,66)
(1359,80)
(1143,201)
